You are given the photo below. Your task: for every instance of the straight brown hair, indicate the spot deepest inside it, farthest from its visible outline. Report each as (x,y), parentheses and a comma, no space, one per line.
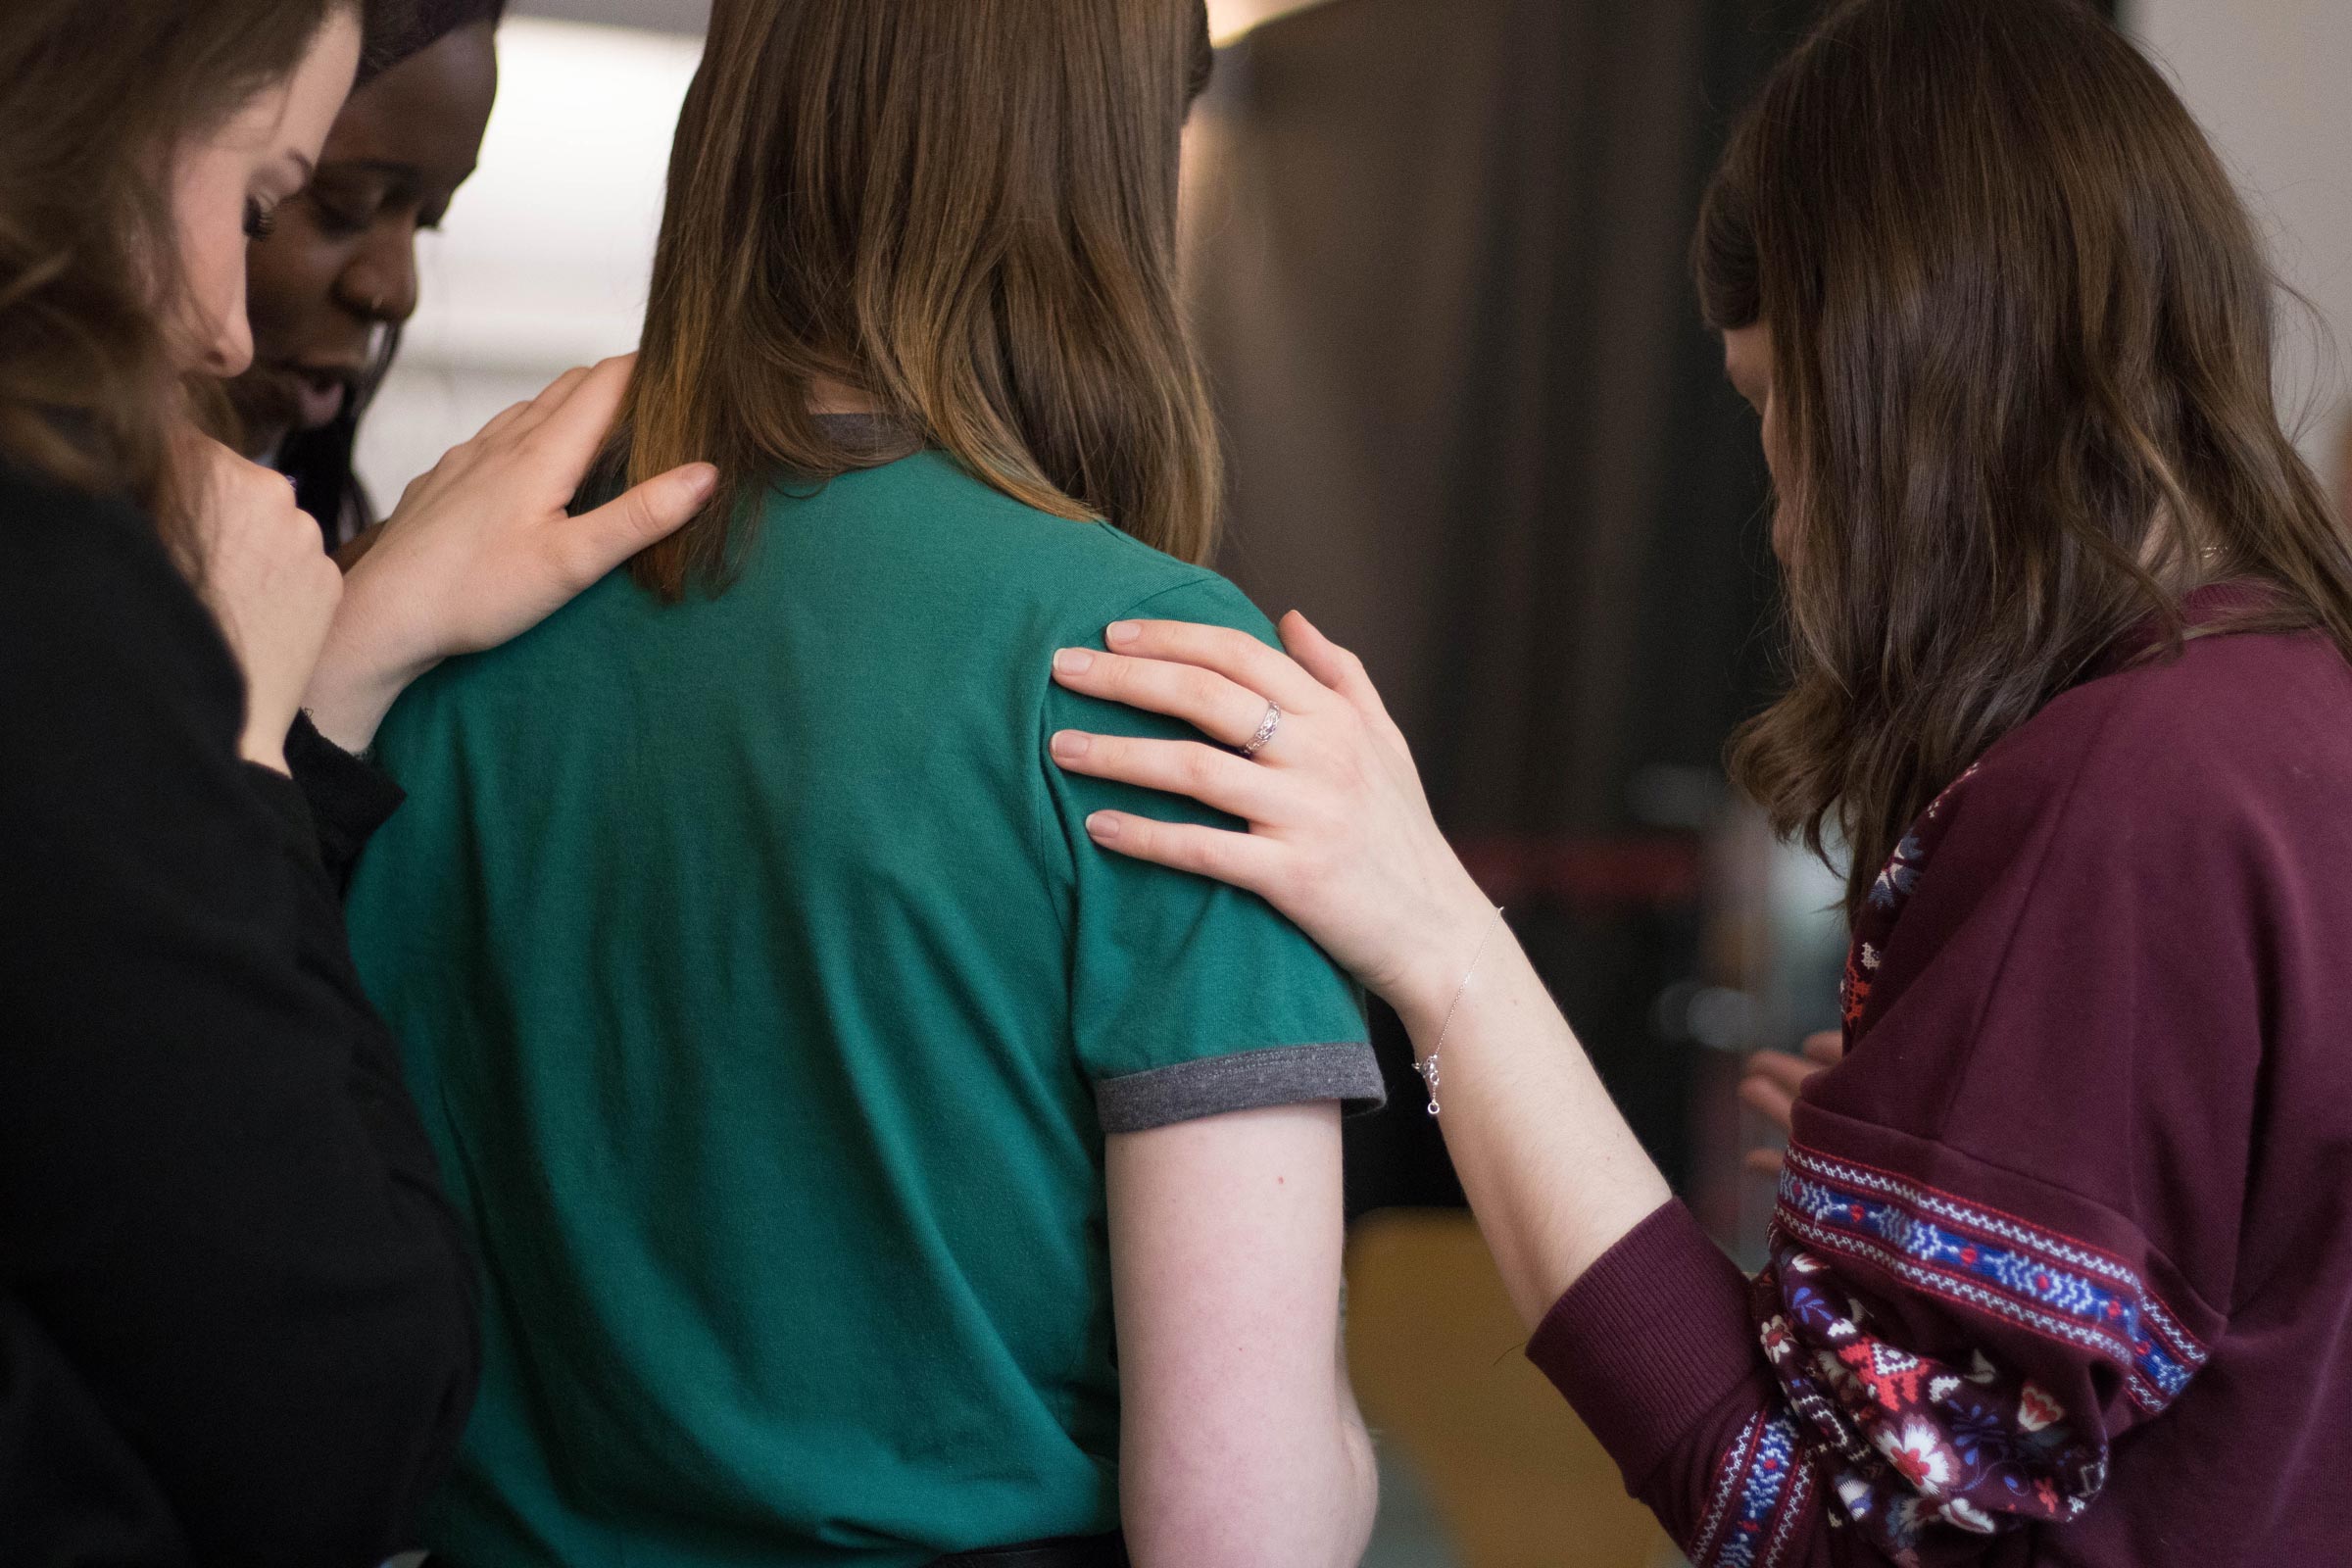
(964,210)
(99,96)
(2021,332)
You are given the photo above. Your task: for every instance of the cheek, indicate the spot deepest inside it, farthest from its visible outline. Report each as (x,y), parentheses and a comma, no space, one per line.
(210,233)
(1769,434)
(216,273)
(289,275)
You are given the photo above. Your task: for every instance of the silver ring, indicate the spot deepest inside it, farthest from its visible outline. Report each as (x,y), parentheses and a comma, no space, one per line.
(1267,727)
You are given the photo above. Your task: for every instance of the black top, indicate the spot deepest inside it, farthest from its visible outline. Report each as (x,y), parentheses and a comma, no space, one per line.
(236,1322)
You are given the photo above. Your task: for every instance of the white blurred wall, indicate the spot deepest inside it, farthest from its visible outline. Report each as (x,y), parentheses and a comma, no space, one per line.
(2271,81)
(544,254)
(542,261)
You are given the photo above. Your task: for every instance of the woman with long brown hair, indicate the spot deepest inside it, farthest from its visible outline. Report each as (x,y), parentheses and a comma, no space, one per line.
(236,1323)
(2061,1269)
(866,1168)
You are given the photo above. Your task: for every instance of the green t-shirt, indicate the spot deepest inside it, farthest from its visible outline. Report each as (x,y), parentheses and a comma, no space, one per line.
(768,1006)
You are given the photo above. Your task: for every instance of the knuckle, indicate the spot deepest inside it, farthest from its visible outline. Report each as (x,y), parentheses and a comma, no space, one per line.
(639,516)
(1124,676)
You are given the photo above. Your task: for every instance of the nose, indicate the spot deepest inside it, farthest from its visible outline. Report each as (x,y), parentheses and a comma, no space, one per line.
(226,348)
(381,284)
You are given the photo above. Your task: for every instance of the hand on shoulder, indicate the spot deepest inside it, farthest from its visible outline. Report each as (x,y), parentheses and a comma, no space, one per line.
(482,548)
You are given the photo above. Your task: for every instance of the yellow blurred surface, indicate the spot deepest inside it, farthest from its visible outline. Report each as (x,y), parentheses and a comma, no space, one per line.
(1440,1369)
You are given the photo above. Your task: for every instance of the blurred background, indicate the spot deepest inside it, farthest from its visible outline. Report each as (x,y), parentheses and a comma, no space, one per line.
(1436,247)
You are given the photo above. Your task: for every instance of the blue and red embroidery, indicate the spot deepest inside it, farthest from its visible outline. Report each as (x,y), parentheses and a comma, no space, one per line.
(1910,1443)
(1762,1490)
(1989,1262)
(1901,871)
(1889,893)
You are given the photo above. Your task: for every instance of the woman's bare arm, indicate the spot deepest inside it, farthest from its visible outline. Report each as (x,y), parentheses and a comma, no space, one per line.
(1239,1441)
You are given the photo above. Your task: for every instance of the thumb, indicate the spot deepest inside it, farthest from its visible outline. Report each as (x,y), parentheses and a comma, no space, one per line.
(1336,667)
(598,541)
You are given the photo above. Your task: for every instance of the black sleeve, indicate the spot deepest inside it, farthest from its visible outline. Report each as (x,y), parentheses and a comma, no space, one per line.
(215,1198)
(349,797)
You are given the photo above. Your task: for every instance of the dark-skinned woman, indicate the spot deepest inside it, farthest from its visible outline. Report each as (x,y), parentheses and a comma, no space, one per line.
(334,279)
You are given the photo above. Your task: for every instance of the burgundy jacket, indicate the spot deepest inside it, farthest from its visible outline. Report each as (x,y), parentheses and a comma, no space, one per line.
(2061,1268)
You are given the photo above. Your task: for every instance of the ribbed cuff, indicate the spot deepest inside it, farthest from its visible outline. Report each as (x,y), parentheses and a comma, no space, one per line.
(1246,1080)
(1652,1339)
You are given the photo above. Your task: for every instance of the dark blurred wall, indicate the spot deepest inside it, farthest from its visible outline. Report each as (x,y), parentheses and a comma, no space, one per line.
(1477,432)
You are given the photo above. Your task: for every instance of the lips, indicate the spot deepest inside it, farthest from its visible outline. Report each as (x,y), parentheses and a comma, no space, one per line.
(319,393)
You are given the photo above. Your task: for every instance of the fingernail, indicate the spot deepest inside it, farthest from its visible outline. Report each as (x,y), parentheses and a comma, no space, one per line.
(1073,661)
(1069,745)
(1122,633)
(701,481)
(1102,825)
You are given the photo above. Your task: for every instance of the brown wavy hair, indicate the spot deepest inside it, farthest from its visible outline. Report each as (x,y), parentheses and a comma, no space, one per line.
(2022,333)
(965,210)
(99,93)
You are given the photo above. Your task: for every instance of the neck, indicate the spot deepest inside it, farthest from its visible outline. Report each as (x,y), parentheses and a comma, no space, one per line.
(828,396)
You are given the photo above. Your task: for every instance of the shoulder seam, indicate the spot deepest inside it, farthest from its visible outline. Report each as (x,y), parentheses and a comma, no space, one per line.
(1040,804)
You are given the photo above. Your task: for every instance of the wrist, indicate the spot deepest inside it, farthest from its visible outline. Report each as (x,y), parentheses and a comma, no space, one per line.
(264,751)
(352,690)
(360,673)
(1460,940)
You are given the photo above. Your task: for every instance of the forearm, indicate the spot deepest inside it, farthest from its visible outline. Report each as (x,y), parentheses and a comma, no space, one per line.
(1552,1171)
(1309,1505)
(1356,1491)
(1240,1444)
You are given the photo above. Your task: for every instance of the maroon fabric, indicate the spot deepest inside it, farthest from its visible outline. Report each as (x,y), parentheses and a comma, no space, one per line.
(2062,1264)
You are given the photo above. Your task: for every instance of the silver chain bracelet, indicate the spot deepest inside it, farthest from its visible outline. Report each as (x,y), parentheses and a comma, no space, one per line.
(1428,1069)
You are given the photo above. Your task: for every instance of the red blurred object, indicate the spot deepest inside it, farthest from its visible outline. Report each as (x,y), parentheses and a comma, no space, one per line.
(1654,871)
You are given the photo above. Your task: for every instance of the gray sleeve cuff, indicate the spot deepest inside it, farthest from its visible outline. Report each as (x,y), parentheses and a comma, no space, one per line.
(1247,1080)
